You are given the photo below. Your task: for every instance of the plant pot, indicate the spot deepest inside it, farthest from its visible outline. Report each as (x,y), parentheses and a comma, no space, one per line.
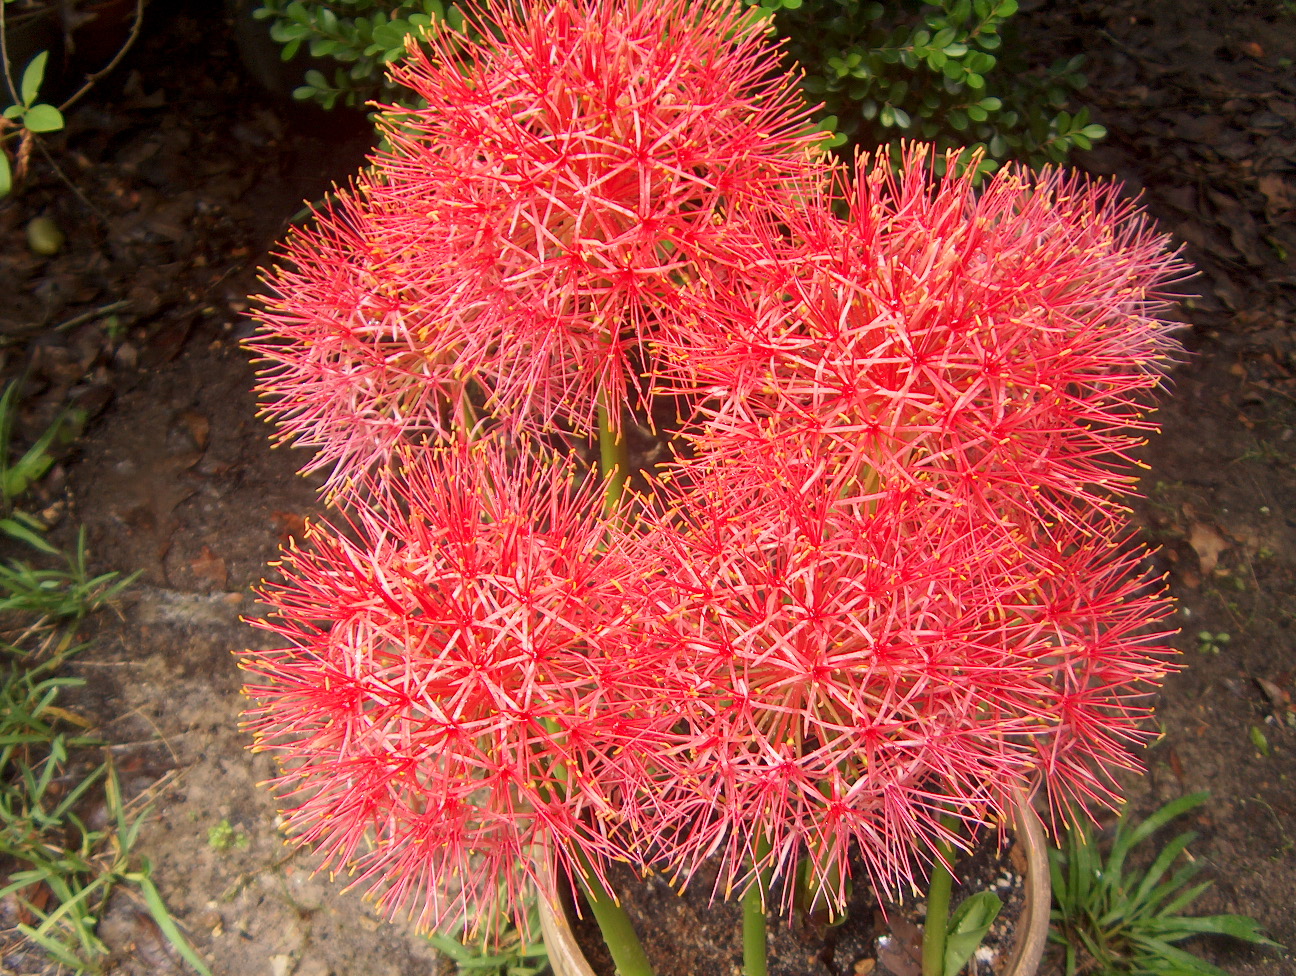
(1029,937)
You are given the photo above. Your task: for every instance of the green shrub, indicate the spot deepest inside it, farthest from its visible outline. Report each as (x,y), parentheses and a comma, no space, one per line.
(362,35)
(946,72)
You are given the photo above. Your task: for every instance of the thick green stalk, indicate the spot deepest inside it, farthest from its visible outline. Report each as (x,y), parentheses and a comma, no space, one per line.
(614,457)
(614,924)
(755,937)
(938,903)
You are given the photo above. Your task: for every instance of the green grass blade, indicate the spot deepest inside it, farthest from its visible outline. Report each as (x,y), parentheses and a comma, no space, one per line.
(57,950)
(1234,926)
(157,908)
(1184,899)
(1127,839)
(17,527)
(1169,854)
(1189,965)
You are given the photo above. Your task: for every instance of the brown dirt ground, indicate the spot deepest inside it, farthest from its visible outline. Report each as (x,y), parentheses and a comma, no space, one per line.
(186,175)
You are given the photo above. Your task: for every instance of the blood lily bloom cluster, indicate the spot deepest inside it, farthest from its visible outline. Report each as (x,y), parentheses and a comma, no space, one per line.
(849,672)
(990,347)
(885,575)
(894,547)
(523,239)
(457,685)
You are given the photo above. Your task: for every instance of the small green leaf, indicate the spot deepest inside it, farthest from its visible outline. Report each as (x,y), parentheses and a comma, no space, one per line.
(32,77)
(968,926)
(43,118)
(162,916)
(1260,741)
(6,175)
(943,37)
(17,530)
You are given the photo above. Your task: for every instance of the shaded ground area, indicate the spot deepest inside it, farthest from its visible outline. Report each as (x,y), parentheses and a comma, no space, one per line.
(185,174)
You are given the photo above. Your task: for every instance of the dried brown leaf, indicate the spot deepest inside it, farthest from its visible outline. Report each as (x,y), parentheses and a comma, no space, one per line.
(209,566)
(1208,544)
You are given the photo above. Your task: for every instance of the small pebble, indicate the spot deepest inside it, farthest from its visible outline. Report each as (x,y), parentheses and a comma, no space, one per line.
(44,236)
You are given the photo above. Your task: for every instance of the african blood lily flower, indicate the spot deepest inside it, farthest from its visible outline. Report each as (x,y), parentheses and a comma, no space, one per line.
(992,347)
(528,231)
(456,686)
(340,372)
(848,672)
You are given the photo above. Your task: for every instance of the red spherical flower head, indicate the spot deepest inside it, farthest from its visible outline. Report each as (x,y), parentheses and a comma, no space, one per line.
(456,686)
(848,672)
(340,369)
(992,346)
(528,231)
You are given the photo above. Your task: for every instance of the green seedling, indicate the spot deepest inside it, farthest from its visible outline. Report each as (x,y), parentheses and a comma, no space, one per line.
(18,474)
(27,116)
(1208,643)
(1115,921)
(223,836)
(509,954)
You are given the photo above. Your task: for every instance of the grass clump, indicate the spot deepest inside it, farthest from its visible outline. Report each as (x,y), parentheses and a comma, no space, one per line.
(1115,920)
(67,832)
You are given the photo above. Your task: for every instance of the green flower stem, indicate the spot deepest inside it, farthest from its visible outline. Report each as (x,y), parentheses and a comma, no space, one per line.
(938,903)
(618,933)
(614,456)
(755,938)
